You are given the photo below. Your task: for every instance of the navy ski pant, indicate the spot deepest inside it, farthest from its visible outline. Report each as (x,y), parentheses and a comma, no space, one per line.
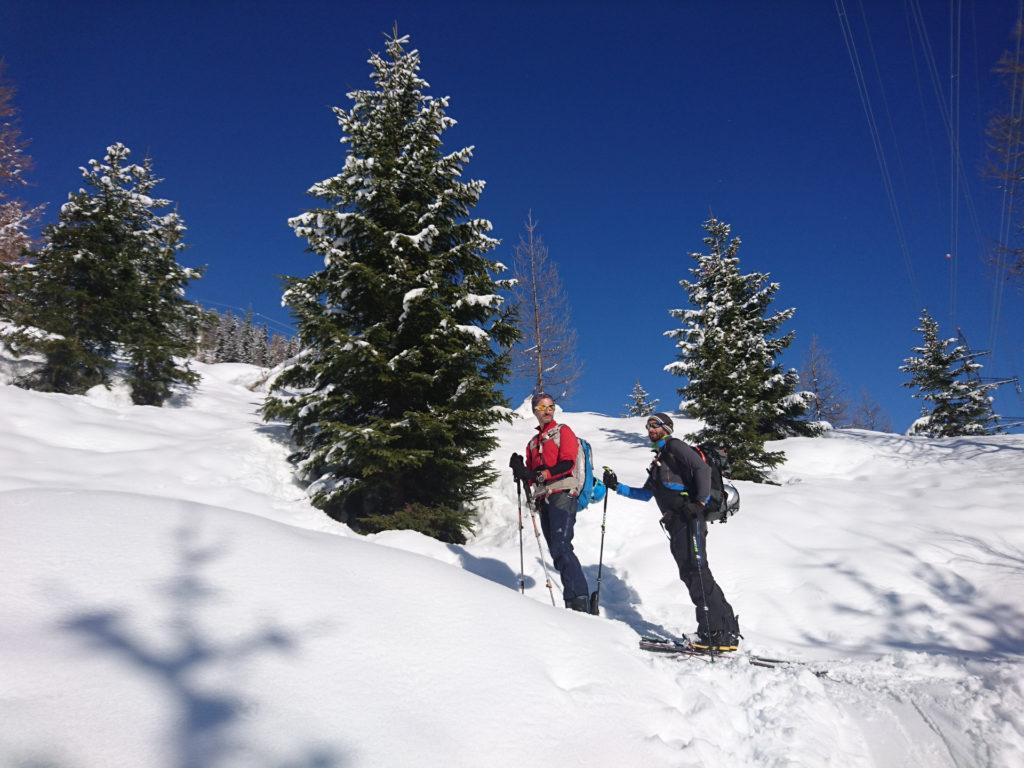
(687,540)
(557,520)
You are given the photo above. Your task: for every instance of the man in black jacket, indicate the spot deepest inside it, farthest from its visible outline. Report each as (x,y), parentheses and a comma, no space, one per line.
(680,482)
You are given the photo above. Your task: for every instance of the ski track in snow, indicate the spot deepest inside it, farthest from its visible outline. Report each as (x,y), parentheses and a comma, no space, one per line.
(893,565)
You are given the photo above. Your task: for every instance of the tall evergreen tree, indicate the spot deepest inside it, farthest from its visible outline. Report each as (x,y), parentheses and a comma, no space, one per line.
(640,403)
(108,279)
(394,401)
(728,353)
(947,377)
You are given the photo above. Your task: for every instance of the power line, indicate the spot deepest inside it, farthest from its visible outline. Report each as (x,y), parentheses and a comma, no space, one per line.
(954,152)
(925,122)
(964,182)
(869,114)
(885,100)
(272,321)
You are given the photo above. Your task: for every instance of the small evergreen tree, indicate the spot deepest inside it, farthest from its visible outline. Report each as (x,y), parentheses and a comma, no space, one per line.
(394,400)
(727,352)
(108,278)
(639,404)
(947,378)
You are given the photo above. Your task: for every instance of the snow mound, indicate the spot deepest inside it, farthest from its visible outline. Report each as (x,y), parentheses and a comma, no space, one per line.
(173,599)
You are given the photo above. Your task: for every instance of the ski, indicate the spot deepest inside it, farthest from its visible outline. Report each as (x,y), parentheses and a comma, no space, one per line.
(670,646)
(681,646)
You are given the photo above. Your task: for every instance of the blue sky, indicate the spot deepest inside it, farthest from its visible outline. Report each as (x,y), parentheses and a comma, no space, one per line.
(620,125)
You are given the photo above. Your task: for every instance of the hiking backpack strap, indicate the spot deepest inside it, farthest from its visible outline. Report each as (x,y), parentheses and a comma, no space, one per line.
(569,483)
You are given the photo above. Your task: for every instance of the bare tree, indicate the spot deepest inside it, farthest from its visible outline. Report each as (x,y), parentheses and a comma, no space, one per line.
(819,378)
(15,217)
(546,354)
(1005,162)
(868,414)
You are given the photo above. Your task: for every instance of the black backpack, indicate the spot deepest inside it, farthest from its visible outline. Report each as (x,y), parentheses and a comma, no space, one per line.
(725,499)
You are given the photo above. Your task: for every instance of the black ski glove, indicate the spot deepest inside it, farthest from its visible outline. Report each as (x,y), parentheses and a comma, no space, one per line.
(518,468)
(611,482)
(695,510)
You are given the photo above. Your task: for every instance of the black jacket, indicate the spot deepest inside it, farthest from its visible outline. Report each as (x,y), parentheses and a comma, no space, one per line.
(677,467)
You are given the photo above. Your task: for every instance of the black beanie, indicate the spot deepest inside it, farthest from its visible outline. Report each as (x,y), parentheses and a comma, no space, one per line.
(665,419)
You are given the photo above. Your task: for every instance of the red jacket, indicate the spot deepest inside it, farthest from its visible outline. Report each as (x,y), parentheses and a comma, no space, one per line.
(543,453)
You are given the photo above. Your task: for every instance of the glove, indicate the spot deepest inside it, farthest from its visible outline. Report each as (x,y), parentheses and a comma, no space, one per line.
(695,510)
(518,468)
(611,482)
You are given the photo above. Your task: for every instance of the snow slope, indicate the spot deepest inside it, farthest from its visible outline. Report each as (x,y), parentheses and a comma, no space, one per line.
(171,599)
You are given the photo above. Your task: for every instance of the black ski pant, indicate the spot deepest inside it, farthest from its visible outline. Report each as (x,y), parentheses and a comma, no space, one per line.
(557,521)
(688,541)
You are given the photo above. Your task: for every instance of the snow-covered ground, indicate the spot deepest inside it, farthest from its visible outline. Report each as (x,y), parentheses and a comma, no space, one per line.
(170,598)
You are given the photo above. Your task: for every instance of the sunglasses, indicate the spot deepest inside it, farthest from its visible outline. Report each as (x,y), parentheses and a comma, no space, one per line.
(542,408)
(654,425)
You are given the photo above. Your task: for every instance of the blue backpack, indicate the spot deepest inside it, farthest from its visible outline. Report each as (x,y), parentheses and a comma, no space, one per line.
(591,487)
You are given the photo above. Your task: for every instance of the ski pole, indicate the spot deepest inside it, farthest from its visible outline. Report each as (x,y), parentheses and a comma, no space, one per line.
(522,576)
(703,594)
(595,599)
(543,562)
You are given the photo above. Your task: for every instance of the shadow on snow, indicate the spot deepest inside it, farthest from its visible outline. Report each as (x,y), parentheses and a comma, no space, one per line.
(202,735)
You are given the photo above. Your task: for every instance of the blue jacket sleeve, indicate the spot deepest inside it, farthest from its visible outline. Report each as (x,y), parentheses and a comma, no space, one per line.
(639,494)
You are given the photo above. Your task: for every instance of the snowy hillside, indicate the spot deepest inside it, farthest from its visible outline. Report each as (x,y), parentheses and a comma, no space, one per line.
(171,599)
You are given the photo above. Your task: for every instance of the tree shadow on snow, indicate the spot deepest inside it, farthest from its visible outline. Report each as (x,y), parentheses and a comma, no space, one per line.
(202,735)
(622,436)
(905,616)
(954,449)
(1009,559)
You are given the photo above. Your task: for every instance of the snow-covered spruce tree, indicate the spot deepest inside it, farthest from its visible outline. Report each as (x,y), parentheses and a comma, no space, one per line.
(229,340)
(394,399)
(639,403)
(947,378)
(254,341)
(107,279)
(727,352)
